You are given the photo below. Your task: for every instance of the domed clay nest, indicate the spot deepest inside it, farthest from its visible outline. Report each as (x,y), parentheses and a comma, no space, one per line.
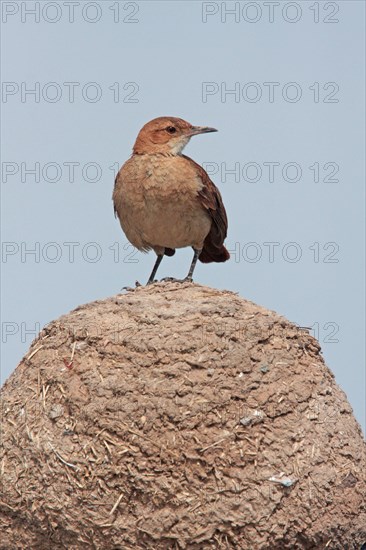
(178,416)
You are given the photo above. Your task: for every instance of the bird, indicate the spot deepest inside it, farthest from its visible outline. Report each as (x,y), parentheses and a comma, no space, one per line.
(164,200)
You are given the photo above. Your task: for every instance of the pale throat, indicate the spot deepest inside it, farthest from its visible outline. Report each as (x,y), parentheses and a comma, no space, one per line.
(178,145)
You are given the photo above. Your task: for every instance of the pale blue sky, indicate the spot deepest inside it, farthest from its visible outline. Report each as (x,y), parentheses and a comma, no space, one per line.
(160,64)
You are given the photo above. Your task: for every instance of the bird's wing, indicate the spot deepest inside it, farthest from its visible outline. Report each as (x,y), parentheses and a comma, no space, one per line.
(115,196)
(210,198)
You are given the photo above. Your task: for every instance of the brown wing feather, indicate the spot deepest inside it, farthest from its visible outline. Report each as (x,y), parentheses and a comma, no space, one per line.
(114,196)
(210,198)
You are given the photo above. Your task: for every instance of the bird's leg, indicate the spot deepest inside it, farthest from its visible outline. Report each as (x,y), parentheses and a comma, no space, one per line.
(155,268)
(193,265)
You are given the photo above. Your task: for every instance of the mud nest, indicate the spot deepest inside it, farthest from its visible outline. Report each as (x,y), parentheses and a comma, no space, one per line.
(178,416)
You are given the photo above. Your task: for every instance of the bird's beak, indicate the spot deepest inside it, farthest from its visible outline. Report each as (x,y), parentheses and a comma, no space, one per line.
(195,130)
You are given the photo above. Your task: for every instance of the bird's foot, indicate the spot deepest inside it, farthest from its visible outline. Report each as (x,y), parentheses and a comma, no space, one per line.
(130,288)
(174,280)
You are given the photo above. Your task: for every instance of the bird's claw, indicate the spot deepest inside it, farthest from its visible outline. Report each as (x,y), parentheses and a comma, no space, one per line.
(131,288)
(174,280)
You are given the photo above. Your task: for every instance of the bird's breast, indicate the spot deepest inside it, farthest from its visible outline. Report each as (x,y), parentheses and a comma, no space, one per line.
(145,178)
(156,201)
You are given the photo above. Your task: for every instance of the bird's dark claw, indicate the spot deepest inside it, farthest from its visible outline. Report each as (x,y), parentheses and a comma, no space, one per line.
(174,280)
(130,288)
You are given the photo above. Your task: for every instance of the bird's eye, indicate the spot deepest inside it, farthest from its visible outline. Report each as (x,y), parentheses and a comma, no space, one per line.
(171,130)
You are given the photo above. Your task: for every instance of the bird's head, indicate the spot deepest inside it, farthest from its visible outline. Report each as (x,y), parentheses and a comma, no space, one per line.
(166,135)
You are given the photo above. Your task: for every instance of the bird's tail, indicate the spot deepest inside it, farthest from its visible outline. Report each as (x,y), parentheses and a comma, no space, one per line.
(212,252)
